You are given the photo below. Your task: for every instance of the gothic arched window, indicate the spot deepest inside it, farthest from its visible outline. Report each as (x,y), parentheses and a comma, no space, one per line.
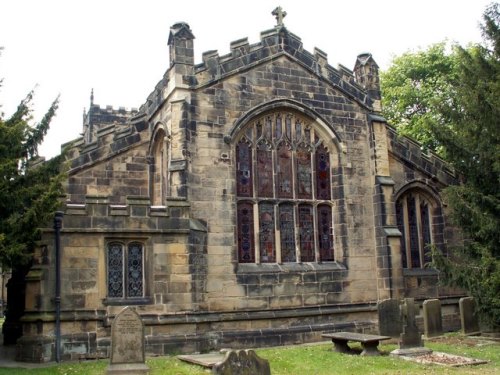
(414,213)
(283,188)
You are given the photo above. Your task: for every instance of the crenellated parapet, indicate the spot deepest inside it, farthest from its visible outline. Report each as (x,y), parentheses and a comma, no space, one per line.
(274,43)
(410,152)
(99,214)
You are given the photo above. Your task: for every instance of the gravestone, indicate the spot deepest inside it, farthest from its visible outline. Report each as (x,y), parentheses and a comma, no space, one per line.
(410,343)
(411,337)
(433,322)
(127,344)
(242,362)
(468,317)
(389,318)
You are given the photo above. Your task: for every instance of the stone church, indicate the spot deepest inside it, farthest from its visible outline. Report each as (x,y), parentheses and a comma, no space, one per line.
(256,198)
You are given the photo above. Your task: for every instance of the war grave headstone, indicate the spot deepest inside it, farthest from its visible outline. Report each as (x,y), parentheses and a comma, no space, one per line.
(127,344)
(433,322)
(468,317)
(389,318)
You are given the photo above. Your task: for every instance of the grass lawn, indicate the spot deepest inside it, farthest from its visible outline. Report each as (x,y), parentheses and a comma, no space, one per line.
(314,359)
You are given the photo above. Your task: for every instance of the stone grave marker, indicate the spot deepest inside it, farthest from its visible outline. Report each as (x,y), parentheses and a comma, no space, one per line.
(410,342)
(433,322)
(242,362)
(389,318)
(127,344)
(468,317)
(411,337)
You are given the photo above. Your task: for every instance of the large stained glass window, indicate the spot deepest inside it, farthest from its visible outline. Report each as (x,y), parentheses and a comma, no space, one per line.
(125,270)
(413,215)
(283,187)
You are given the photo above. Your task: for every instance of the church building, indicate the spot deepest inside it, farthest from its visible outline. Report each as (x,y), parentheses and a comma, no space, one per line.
(256,198)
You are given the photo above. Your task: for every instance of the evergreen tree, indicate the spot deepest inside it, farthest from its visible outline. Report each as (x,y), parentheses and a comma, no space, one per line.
(29,187)
(471,143)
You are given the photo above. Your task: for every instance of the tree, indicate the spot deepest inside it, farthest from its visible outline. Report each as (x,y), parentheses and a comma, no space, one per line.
(29,187)
(471,143)
(414,86)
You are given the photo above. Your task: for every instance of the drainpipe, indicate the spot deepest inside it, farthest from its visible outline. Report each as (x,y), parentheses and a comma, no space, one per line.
(57,228)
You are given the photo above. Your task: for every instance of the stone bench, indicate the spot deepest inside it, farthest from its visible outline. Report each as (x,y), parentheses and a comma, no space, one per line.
(369,343)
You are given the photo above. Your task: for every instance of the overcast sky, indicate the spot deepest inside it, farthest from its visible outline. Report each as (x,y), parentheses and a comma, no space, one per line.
(119,48)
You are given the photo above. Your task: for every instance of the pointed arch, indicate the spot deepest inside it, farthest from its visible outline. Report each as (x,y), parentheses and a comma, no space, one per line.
(159,156)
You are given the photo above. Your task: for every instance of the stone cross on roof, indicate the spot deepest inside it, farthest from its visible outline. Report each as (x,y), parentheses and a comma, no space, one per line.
(279,13)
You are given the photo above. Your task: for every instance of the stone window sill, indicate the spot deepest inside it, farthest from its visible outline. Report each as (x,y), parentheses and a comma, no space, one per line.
(289,267)
(127,301)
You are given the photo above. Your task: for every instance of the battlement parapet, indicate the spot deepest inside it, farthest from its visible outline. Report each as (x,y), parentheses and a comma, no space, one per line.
(410,151)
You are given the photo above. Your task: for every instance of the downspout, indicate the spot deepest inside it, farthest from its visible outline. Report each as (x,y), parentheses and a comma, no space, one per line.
(57,236)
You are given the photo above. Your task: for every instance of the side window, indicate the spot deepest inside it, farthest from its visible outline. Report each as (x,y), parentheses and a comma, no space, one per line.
(159,173)
(283,188)
(414,212)
(125,270)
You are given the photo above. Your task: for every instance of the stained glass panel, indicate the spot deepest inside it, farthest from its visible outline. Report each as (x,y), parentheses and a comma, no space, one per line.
(264,172)
(134,270)
(325,233)
(304,173)
(306,233)
(115,270)
(266,233)
(323,190)
(401,226)
(244,173)
(413,231)
(285,182)
(287,232)
(245,233)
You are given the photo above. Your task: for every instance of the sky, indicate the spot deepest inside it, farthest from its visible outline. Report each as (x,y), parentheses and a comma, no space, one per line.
(119,48)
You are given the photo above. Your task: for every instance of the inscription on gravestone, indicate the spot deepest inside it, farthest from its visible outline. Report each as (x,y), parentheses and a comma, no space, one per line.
(127,344)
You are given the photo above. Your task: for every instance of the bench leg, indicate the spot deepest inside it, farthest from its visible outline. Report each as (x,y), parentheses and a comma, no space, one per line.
(370,348)
(341,346)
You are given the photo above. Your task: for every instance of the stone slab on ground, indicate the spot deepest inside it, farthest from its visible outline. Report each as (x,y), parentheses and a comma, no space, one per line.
(230,362)
(443,359)
(206,360)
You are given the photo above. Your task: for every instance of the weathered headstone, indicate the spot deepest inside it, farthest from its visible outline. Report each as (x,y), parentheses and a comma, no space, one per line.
(127,344)
(468,317)
(433,322)
(242,362)
(410,343)
(389,318)
(411,337)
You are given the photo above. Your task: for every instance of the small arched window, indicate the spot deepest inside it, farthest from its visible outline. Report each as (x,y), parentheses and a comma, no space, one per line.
(416,212)
(283,188)
(159,172)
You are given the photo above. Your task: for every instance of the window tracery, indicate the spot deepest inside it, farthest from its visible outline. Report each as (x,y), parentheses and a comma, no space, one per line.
(288,202)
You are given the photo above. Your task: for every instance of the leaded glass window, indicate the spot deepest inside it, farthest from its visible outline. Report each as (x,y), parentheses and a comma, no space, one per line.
(125,270)
(413,215)
(287,233)
(284,213)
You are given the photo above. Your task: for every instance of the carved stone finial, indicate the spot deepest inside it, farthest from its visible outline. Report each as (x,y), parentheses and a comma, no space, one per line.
(91,97)
(279,13)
